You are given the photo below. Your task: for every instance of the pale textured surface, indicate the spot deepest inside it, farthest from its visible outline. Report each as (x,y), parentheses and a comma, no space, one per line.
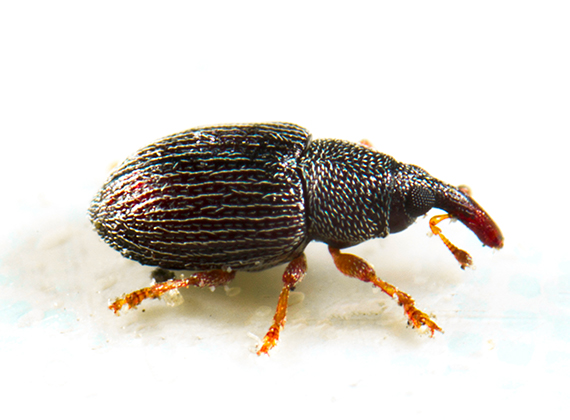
(474,94)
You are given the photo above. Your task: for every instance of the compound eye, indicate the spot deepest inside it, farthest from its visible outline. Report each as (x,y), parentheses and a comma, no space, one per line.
(419,201)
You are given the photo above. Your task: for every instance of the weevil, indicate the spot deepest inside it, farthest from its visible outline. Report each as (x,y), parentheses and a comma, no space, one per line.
(247,197)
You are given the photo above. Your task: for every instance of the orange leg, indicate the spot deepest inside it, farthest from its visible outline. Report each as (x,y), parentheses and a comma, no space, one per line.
(202,279)
(354,266)
(293,274)
(461,256)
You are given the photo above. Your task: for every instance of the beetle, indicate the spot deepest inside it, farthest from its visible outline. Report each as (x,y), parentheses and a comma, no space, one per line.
(247,197)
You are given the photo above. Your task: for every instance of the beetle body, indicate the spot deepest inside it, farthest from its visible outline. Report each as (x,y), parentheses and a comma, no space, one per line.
(252,196)
(249,197)
(228,197)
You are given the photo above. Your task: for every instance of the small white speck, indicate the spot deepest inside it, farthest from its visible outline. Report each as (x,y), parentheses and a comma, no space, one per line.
(232,291)
(173,298)
(295,298)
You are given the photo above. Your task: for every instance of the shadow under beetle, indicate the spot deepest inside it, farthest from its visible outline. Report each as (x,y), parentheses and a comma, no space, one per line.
(226,198)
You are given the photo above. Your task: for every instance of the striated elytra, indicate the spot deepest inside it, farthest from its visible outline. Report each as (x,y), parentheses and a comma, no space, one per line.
(226,198)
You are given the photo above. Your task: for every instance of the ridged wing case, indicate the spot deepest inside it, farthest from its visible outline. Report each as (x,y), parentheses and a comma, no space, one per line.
(213,197)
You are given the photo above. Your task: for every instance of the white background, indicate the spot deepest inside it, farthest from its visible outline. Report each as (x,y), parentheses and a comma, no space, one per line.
(474,92)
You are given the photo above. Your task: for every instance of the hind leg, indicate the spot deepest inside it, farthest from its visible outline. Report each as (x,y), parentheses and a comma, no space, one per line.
(202,279)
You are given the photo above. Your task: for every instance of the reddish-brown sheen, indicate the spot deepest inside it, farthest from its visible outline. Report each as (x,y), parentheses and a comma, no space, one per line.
(481,224)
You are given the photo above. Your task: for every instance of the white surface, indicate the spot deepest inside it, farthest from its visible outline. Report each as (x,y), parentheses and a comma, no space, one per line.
(475,94)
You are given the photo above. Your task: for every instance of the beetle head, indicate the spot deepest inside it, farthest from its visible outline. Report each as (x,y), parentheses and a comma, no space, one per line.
(416,192)
(460,205)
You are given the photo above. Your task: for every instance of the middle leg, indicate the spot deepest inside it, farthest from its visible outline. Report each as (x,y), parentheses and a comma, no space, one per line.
(293,274)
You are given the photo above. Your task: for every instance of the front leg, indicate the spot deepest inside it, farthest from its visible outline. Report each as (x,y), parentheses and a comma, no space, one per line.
(462,257)
(354,266)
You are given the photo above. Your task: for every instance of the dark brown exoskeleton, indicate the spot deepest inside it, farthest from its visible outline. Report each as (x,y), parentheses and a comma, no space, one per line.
(226,198)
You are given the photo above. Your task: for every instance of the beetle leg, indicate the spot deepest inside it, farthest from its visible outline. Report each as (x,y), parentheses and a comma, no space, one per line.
(460,255)
(293,274)
(201,279)
(354,266)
